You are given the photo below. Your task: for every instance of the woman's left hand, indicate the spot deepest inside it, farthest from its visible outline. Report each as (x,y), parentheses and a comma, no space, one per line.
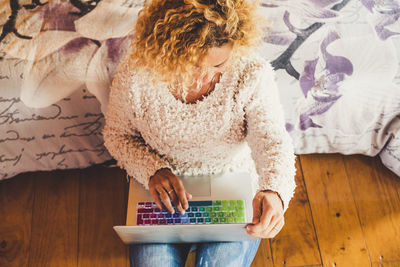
(268,217)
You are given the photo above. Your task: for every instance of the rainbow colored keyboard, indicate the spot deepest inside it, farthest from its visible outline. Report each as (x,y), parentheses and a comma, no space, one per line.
(199,212)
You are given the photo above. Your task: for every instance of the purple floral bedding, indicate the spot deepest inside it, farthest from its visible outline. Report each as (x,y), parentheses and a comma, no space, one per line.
(336,62)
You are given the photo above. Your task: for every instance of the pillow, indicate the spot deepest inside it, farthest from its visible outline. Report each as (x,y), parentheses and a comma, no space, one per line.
(64,135)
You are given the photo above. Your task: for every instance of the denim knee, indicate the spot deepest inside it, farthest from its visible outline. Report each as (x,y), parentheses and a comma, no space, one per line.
(236,254)
(147,255)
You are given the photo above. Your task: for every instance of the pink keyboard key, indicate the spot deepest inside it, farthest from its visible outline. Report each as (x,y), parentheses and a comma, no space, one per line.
(145,210)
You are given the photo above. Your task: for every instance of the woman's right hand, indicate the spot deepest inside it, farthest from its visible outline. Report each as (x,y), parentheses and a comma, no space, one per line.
(164,186)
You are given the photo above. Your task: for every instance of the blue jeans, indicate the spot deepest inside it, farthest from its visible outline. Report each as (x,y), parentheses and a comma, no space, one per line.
(213,254)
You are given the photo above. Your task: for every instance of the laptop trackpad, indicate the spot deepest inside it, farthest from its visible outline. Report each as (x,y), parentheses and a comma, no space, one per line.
(198,186)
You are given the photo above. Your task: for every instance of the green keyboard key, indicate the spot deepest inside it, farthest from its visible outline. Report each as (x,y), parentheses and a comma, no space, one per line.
(206,214)
(239,208)
(231,220)
(232,208)
(214,220)
(220,214)
(202,209)
(233,202)
(239,220)
(241,213)
(217,203)
(224,208)
(213,214)
(217,208)
(235,214)
(240,202)
(208,220)
(225,203)
(209,209)
(223,220)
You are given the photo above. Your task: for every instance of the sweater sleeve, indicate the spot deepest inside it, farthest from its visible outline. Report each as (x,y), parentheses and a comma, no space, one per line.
(271,145)
(121,138)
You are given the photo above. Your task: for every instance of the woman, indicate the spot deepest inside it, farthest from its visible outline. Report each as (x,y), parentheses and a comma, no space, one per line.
(192,99)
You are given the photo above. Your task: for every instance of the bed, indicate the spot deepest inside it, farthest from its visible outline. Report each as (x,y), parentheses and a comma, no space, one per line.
(336,64)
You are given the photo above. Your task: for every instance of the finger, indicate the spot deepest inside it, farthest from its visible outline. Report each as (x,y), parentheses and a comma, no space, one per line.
(170,190)
(156,198)
(173,196)
(276,217)
(273,225)
(165,199)
(265,220)
(180,192)
(256,209)
(188,196)
(276,228)
(175,199)
(267,214)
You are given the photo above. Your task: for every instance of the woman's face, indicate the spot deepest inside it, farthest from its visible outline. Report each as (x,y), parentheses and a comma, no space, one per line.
(216,61)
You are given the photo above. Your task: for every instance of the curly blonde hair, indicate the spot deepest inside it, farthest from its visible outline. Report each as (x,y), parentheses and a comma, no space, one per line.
(173,36)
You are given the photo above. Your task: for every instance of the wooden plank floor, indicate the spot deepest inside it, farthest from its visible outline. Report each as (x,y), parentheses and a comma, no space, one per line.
(346,212)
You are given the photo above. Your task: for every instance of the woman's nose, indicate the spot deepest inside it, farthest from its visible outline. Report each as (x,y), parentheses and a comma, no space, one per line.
(209,76)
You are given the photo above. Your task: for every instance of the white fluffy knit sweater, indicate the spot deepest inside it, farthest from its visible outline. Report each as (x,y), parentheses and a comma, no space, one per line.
(238,126)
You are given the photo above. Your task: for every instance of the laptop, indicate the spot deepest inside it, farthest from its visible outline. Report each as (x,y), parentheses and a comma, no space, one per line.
(227,193)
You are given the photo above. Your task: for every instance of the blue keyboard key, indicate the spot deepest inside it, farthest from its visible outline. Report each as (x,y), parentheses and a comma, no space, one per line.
(185,221)
(194,208)
(200,220)
(170,221)
(168,215)
(176,215)
(198,214)
(193,220)
(177,221)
